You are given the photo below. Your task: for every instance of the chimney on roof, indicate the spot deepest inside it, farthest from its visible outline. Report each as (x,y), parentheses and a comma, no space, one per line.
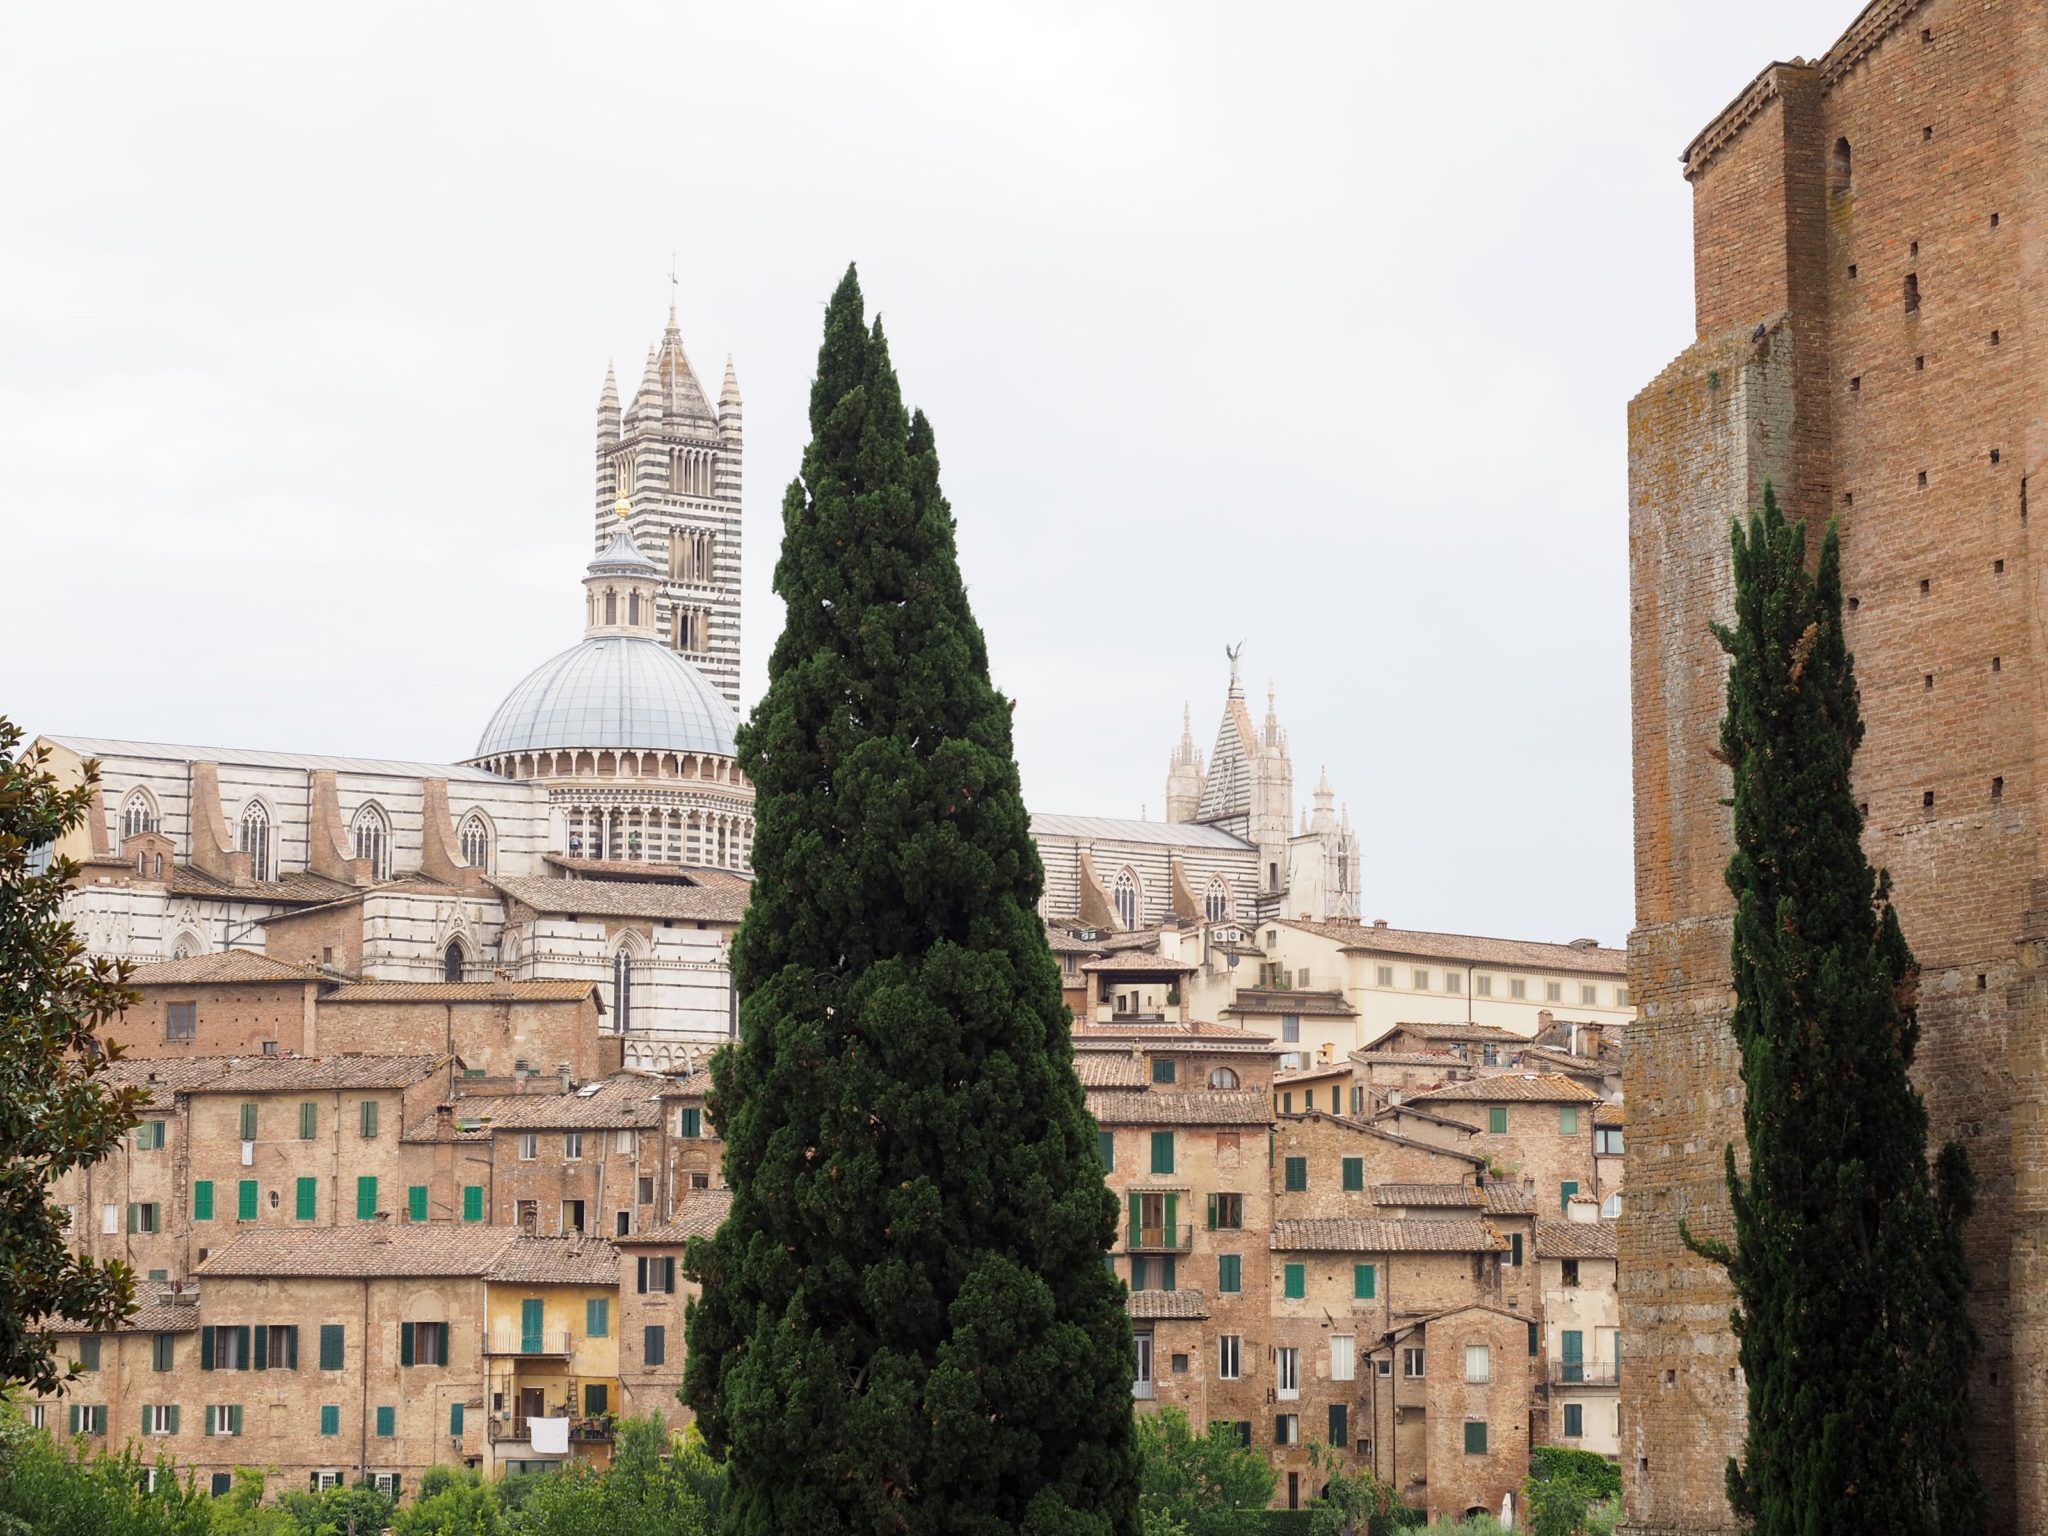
(1544,1019)
(568,1080)
(1584,944)
(501,983)
(1379,922)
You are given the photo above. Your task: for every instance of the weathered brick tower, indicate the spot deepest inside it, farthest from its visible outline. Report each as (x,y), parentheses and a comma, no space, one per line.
(1871,269)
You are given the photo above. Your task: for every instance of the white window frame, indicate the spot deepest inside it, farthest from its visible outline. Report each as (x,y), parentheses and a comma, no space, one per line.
(572,1146)
(1414,1364)
(1478,1363)
(1553,991)
(529,1146)
(1229,1357)
(1343,1357)
(1453,982)
(625,1142)
(156,1418)
(1287,1372)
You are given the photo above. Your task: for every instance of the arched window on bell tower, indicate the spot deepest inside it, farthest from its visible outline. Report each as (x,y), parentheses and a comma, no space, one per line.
(454,960)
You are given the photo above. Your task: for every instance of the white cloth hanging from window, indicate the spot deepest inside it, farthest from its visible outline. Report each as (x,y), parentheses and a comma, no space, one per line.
(550,1436)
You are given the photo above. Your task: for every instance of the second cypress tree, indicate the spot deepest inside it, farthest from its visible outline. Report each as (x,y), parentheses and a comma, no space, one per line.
(1847,1256)
(906,1323)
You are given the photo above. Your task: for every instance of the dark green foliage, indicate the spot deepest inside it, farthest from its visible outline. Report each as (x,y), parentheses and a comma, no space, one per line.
(655,1486)
(44,1491)
(1350,1501)
(330,1511)
(453,1501)
(906,1322)
(56,1112)
(1211,1484)
(1587,1474)
(1847,1258)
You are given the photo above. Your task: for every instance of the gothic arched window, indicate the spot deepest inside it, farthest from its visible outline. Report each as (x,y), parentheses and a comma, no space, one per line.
(453,961)
(1126,894)
(370,832)
(1216,904)
(138,814)
(611,607)
(475,837)
(1223,1077)
(622,991)
(254,839)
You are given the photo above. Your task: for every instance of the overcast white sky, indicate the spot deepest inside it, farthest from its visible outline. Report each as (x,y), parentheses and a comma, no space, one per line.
(1310,326)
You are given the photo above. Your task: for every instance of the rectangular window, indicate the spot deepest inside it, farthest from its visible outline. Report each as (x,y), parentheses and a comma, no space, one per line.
(572,1216)
(387,1421)
(1364,1282)
(1422,981)
(529,1146)
(1163,1069)
(1568,1120)
(277,1347)
(330,1418)
(1287,1371)
(88,1418)
(654,1346)
(625,1143)
(455,1418)
(145,1216)
(1453,982)
(1412,1364)
(1287,1429)
(309,1121)
(646,1189)
(1343,1357)
(366,1197)
(1497,1120)
(472,1202)
(332,1336)
(416,1202)
(1294,1281)
(1565,1191)
(1573,1342)
(202,1200)
(1607,1140)
(1340,1424)
(245,1199)
(1574,1421)
(572,1146)
(1475,1437)
(1226,1212)
(149,1136)
(1621,997)
(657,1276)
(526,1215)
(369,1119)
(181,1021)
(422,1343)
(89,1353)
(597,1317)
(248,1122)
(1105,1142)
(690,1122)
(1290,1028)
(1229,1356)
(1296,1174)
(1553,991)
(1518,987)
(1162,1151)
(224,1419)
(1141,1272)
(1383,975)
(1535,1340)
(1483,985)
(1229,1272)
(1514,1250)
(163,1351)
(1354,1173)
(306,1207)
(1478,1363)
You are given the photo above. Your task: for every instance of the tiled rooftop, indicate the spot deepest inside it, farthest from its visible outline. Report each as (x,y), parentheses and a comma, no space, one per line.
(1241,1106)
(1575,1240)
(362,1250)
(703,1212)
(463,992)
(570,1260)
(1385,1235)
(1428,1194)
(1186,1305)
(626,898)
(1507,954)
(1524,1087)
(227,967)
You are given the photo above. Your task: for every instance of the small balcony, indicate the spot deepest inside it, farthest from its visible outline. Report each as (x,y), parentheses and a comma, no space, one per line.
(596,1431)
(1160,1239)
(549,1342)
(1585,1373)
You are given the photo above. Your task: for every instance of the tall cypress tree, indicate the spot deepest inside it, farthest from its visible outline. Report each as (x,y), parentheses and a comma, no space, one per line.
(1847,1257)
(906,1321)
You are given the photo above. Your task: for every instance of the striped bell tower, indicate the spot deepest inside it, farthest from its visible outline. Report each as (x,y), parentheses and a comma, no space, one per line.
(675,462)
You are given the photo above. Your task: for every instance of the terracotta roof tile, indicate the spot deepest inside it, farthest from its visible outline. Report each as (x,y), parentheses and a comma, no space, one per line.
(163,1076)
(1509,954)
(1520,1088)
(371,1249)
(557,1261)
(703,1212)
(1242,1106)
(1610,1114)
(293,1074)
(1139,965)
(1109,1069)
(1308,1074)
(294,887)
(625,898)
(1432,1234)
(1308,1004)
(1426,1029)
(155,1314)
(1428,1194)
(1510,1200)
(1575,1240)
(671,874)
(226,968)
(1064,943)
(537,991)
(1441,1059)
(1164,1305)
(624,1101)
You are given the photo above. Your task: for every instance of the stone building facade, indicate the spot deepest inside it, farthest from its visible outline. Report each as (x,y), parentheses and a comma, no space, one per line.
(1865,294)
(1864,304)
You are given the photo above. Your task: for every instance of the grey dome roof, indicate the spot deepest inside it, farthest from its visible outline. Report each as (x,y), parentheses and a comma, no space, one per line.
(613,691)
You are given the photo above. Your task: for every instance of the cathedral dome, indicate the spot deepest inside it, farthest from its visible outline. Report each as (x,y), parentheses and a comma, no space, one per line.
(613,691)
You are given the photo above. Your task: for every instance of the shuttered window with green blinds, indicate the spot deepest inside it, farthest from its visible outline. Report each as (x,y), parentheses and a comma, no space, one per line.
(248,1122)
(369,1117)
(416,1202)
(330,1418)
(307,1205)
(202,1200)
(309,1121)
(245,1199)
(332,1338)
(366,1197)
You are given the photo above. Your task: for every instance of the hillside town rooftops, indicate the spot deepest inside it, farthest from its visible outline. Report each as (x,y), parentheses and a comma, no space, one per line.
(567,1260)
(1251,1000)
(363,1250)
(703,1213)
(1504,954)
(1168,1305)
(228,967)
(1521,1087)
(1238,1106)
(625,898)
(1343,1234)
(1576,1240)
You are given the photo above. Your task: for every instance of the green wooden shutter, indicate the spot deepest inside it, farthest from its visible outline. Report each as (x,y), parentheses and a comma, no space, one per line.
(1515,1250)
(309,1121)
(1106,1140)
(74,1418)
(262,1345)
(1295,1281)
(242,1347)
(1229,1272)
(366,1197)
(1497,1120)
(1574,1355)
(245,1199)
(1162,1151)
(405,1343)
(1565,1190)
(133,1208)
(1212,1213)
(1172,1221)
(1475,1439)
(1354,1173)
(455,1418)
(531,1315)
(597,1317)
(330,1419)
(290,1338)
(1535,1338)
(387,1422)
(174,1419)
(206,1349)
(202,1200)
(472,1202)
(442,1330)
(693,1122)
(1166,1275)
(309,1199)
(1132,1201)
(1297,1174)
(416,1202)
(1568,1121)
(332,1337)
(369,1117)
(1364,1282)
